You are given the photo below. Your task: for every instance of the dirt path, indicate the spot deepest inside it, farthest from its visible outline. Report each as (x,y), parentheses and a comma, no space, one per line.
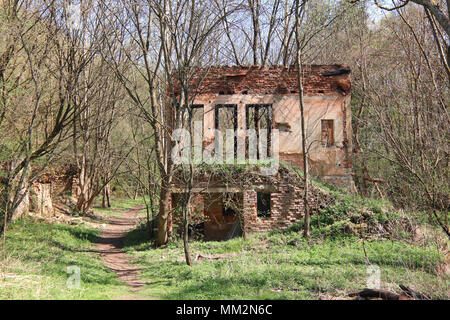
(110,248)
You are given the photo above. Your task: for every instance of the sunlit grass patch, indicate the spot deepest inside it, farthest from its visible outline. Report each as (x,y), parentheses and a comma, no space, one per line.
(34,263)
(266,268)
(119,205)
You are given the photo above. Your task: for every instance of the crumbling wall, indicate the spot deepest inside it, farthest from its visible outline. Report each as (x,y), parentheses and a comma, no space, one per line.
(286,207)
(286,189)
(37,200)
(41,201)
(326,97)
(40,196)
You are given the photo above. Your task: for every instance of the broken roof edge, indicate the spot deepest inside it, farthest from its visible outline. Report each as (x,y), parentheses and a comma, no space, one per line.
(318,79)
(292,66)
(242,70)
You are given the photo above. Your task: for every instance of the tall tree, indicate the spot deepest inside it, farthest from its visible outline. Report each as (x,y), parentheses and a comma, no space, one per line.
(32,131)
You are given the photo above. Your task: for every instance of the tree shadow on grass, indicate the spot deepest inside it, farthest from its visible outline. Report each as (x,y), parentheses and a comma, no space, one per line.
(76,233)
(139,239)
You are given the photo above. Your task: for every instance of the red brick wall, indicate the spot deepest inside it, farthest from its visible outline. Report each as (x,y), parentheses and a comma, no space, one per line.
(286,209)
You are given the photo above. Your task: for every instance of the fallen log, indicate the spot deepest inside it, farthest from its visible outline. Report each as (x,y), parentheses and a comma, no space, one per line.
(414,294)
(408,294)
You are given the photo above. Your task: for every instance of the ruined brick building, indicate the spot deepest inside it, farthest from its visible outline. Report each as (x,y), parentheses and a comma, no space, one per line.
(243,98)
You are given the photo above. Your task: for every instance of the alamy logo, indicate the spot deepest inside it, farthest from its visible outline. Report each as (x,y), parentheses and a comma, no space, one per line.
(73,282)
(73,16)
(233,147)
(373,280)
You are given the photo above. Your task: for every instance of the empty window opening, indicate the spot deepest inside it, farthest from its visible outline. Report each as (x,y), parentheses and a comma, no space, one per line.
(197,116)
(226,118)
(197,112)
(328,132)
(260,116)
(263,204)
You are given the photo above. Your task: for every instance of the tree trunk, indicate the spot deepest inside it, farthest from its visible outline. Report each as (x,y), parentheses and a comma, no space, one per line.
(108,200)
(163,215)
(186,234)
(104,198)
(149,222)
(306,230)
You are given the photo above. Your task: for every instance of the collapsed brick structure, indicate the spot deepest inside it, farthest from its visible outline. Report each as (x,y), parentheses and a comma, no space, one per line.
(38,199)
(243,98)
(242,189)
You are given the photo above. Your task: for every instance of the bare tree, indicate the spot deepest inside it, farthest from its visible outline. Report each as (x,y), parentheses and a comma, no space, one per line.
(32,135)
(187,29)
(401,88)
(310,21)
(415,143)
(135,52)
(438,14)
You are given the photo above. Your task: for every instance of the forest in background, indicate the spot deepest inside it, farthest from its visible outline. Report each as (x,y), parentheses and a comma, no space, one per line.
(85,83)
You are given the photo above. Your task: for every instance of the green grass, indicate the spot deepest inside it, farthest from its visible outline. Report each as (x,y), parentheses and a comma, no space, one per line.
(34,264)
(273,265)
(281,265)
